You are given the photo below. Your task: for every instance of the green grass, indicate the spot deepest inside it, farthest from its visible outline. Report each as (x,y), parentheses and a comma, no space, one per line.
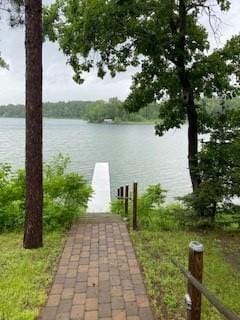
(167,286)
(26,274)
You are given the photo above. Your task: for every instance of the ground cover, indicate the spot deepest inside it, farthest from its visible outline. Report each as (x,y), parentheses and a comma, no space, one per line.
(26,274)
(166,285)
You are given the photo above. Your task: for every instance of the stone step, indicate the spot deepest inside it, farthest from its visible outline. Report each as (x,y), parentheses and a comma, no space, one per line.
(95,218)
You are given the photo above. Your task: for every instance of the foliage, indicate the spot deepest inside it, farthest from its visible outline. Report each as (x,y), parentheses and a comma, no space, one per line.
(3,64)
(65,195)
(92,111)
(26,274)
(117,207)
(167,286)
(219,166)
(207,108)
(149,205)
(178,69)
(14,11)
(122,34)
(11,198)
(153,213)
(153,198)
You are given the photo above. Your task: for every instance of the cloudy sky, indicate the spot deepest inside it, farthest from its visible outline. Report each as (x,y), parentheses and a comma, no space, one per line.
(58,83)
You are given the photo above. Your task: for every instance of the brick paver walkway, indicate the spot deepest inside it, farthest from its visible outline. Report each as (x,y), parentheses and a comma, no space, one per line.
(98,276)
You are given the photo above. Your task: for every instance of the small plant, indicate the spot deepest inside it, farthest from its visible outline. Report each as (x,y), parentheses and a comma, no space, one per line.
(117,207)
(149,205)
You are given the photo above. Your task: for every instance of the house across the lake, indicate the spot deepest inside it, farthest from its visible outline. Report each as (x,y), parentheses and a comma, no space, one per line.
(108,120)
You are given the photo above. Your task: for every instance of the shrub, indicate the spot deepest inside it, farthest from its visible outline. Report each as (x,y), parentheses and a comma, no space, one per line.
(11,197)
(153,213)
(65,195)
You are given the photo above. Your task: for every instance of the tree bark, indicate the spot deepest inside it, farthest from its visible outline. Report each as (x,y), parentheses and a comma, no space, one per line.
(188,98)
(34,190)
(192,138)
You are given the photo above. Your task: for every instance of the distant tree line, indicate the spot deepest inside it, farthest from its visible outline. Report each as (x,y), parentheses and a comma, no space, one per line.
(92,111)
(97,111)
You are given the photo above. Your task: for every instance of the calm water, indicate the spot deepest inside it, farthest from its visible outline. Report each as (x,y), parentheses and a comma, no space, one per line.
(133,151)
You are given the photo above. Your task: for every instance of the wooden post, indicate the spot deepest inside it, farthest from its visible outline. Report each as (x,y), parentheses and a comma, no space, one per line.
(196,269)
(134,206)
(118,193)
(122,193)
(126,200)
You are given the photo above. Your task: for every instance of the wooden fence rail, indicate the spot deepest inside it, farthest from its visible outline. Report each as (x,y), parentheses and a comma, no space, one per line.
(195,287)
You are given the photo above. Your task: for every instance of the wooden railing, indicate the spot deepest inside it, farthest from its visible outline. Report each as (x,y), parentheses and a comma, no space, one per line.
(195,289)
(194,274)
(126,196)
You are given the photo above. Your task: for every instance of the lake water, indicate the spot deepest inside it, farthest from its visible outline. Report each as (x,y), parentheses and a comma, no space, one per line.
(134,152)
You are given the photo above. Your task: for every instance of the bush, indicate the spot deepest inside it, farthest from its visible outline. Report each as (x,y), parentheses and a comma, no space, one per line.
(65,195)
(153,213)
(11,197)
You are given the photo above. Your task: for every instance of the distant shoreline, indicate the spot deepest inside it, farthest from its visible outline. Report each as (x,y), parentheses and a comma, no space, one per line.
(102,123)
(112,111)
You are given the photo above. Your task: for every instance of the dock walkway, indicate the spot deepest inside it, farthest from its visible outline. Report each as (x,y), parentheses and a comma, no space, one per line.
(101,199)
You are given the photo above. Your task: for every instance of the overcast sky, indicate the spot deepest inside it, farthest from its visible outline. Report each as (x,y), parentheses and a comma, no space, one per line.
(58,83)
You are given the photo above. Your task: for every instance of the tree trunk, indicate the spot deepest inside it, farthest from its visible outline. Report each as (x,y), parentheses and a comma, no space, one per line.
(192,138)
(34,189)
(188,97)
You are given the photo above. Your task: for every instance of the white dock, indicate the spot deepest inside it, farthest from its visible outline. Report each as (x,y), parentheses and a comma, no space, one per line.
(101,198)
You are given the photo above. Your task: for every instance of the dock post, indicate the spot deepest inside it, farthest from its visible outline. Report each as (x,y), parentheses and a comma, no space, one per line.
(126,200)
(121,193)
(134,204)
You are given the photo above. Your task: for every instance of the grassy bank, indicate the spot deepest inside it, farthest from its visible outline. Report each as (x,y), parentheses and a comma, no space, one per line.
(25,275)
(167,286)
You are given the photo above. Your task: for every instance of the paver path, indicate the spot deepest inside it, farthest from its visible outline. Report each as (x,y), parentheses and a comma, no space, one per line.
(98,276)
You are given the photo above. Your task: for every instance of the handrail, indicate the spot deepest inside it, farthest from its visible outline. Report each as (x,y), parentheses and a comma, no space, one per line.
(124,198)
(214,301)
(123,194)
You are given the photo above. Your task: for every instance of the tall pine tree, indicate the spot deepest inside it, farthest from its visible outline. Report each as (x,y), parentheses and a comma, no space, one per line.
(34,190)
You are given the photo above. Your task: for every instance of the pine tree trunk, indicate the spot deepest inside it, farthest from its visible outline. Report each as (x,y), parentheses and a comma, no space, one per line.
(34,189)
